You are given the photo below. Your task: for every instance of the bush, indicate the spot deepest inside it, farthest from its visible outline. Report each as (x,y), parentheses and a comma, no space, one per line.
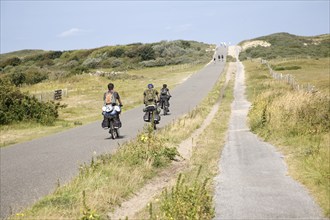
(16,106)
(17,78)
(35,75)
(13,61)
(279,68)
(146,52)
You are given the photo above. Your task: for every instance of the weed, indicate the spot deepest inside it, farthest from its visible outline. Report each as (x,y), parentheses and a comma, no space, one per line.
(188,200)
(88,213)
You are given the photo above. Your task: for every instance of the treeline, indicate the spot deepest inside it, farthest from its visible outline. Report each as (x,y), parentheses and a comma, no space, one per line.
(36,66)
(284,45)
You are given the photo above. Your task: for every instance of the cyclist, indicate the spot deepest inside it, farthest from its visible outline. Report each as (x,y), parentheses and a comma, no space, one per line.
(150,99)
(165,97)
(112,98)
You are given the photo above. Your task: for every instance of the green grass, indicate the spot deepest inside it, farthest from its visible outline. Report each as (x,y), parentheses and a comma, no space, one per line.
(85,98)
(297,122)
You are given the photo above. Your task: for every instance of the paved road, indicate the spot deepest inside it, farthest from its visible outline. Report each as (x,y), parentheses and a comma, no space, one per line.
(31,170)
(253,181)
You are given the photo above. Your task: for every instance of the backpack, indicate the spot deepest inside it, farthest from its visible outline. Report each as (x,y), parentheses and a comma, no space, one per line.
(163,91)
(109,98)
(150,95)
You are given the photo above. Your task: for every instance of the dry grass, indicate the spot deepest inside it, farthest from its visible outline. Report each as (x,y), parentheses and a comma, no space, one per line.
(85,98)
(313,71)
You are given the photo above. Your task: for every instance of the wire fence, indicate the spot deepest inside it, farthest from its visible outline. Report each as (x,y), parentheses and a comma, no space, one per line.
(288,78)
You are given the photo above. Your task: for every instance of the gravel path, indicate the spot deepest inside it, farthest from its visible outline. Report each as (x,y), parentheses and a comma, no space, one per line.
(253,181)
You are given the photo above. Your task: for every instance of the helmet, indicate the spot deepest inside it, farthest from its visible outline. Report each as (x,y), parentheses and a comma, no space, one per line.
(150,86)
(164,85)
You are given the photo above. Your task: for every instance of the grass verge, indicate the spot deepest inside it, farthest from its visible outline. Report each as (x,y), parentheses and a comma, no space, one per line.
(298,123)
(110,179)
(191,197)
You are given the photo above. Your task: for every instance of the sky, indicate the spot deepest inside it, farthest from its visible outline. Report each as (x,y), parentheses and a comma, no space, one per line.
(69,25)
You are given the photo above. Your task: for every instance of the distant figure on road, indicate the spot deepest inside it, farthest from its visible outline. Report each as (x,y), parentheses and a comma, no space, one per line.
(222,57)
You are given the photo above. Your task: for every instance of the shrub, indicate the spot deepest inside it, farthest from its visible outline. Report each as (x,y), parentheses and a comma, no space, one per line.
(13,61)
(279,68)
(16,106)
(117,52)
(146,52)
(91,62)
(17,78)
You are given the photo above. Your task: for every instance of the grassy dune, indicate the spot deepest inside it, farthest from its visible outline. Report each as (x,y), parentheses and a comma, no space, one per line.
(313,71)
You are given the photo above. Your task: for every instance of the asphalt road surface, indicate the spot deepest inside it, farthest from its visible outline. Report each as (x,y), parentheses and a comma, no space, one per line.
(253,181)
(31,170)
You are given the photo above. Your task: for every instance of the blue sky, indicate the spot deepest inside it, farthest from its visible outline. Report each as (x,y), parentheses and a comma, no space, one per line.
(67,25)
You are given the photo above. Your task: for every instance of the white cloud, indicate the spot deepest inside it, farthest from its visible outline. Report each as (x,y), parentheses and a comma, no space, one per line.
(71,32)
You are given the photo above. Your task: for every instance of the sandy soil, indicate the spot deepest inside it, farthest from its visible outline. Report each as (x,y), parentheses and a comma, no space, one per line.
(255,43)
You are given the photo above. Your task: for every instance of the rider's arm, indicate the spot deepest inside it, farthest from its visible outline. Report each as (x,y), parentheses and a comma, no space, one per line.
(117,96)
(104,95)
(144,97)
(157,96)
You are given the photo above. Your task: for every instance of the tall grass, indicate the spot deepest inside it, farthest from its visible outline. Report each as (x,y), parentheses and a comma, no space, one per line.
(299,123)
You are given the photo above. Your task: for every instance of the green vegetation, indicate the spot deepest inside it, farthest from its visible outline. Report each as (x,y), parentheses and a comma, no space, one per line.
(188,200)
(31,67)
(84,98)
(84,74)
(288,45)
(108,180)
(15,106)
(298,122)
